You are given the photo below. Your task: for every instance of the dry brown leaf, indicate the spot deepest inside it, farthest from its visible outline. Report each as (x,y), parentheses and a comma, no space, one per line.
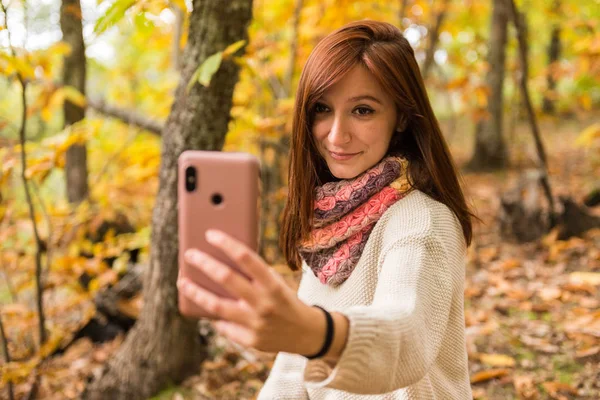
(131,307)
(579,287)
(555,388)
(486,375)
(488,254)
(511,263)
(549,293)
(589,352)
(525,387)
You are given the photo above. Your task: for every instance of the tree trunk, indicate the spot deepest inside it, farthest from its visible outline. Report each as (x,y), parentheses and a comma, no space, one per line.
(490,150)
(164,347)
(433,35)
(553,55)
(74,75)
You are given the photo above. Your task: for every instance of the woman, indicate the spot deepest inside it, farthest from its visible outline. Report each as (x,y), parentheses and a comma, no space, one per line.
(378,222)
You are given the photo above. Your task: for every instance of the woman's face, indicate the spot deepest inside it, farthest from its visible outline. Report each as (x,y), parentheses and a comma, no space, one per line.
(353,131)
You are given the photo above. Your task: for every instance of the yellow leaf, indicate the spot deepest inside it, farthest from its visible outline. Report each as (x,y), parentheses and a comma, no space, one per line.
(232,48)
(586,101)
(497,360)
(58,49)
(588,135)
(17,371)
(46,114)
(457,83)
(74,96)
(52,343)
(180,4)
(93,286)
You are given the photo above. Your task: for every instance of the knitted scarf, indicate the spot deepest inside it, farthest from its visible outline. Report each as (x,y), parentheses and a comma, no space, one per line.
(345,213)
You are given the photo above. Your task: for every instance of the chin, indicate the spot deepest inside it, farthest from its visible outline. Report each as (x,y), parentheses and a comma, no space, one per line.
(344,172)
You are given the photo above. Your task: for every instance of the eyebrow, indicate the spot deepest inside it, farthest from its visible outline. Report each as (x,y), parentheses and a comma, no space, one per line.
(365,96)
(361,97)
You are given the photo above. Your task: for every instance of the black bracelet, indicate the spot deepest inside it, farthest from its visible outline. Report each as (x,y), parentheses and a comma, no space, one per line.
(328,335)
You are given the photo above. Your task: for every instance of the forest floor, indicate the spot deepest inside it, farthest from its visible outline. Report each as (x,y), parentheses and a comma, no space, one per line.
(532,310)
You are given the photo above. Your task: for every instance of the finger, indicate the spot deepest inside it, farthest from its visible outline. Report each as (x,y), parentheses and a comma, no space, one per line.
(223,308)
(236,333)
(247,259)
(223,275)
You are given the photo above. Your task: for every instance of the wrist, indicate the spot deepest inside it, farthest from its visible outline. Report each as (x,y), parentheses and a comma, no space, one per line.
(312,337)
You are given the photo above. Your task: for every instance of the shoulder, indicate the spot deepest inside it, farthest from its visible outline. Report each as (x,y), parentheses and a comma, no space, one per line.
(420,218)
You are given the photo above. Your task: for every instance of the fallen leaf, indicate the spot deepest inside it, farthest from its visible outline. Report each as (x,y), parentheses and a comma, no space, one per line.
(553,389)
(525,387)
(510,263)
(486,375)
(590,352)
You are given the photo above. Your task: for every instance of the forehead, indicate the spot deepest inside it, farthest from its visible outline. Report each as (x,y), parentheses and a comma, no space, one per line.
(357,81)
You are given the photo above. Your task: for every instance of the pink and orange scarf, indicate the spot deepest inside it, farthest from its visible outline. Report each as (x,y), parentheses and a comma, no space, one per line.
(345,213)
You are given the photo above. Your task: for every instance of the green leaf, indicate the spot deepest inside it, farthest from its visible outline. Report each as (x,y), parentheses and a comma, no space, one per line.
(206,70)
(112,15)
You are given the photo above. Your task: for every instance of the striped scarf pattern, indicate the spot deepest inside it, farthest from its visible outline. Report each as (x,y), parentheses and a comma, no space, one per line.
(345,213)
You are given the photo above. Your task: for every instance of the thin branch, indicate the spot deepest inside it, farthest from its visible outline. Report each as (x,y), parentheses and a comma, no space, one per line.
(38,242)
(434,34)
(522,39)
(127,116)
(49,223)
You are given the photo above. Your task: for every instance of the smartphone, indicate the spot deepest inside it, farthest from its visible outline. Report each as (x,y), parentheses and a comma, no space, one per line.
(216,190)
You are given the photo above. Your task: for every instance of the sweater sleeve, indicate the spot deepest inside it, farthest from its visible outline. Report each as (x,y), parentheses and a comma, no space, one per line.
(285,380)
(393,342)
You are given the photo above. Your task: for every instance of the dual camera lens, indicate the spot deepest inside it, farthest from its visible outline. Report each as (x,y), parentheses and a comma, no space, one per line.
(191,182)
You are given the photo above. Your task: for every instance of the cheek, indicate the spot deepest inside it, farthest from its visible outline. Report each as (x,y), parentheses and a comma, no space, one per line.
(319,132)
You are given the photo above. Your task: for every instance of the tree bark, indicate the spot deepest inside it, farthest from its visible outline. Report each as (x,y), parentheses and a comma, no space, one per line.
(554,50)
(74,75)
(490,150)
(164,347)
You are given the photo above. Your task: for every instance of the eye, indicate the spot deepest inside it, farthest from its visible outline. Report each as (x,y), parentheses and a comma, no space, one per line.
(319,108)
(365,110)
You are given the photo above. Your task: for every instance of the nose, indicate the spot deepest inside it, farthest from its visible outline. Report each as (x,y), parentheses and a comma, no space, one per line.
(339,134)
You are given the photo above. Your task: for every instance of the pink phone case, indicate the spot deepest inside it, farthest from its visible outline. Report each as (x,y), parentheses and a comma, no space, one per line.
(234,177)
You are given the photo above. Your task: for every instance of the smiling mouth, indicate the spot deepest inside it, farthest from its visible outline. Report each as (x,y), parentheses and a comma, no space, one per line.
(342,156)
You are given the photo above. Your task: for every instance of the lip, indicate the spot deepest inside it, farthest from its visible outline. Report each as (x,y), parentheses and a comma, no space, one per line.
(342,156)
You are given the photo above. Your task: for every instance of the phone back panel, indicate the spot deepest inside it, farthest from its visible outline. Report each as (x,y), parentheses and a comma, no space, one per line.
(233,176)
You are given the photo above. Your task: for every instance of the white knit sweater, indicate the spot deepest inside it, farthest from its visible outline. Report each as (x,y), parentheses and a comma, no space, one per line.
(404,301)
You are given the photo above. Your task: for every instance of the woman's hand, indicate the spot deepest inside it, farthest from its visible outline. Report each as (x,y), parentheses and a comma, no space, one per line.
(267,314)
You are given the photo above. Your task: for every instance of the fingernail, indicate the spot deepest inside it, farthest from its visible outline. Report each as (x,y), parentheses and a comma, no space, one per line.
(189,255)
(213,236)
